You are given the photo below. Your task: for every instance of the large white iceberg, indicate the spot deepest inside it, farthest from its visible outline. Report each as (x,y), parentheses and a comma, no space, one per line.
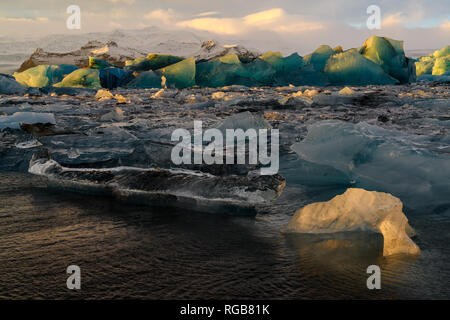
(358,210)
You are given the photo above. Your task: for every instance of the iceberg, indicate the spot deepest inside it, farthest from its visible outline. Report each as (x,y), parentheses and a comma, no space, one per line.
(402,164)
(146,79)
(153,61)
(358,210)
(179,75)
(220,72)
(441,65)
(389,55)
(81,78)
(351,68)
(305,75)
(319,57)
(111,78)
(428,77)
(97,63)
(229,70)
(14,121)
(281,64)
(44,75)
(436,64)
(424,65)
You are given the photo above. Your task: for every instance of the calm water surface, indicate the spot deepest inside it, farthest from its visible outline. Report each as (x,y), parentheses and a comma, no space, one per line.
(127,251)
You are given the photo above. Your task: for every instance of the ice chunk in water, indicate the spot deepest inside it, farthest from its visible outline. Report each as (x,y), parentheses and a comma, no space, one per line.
(383,160)
(17,118)
(10,86)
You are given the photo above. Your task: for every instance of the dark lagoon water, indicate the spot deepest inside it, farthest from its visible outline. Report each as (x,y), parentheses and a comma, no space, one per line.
(128,251)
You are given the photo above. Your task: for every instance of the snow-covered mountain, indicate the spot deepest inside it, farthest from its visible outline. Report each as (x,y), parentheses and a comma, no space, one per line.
(116,46)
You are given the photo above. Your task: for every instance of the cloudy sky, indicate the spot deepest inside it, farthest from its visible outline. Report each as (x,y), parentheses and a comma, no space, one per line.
(423,24)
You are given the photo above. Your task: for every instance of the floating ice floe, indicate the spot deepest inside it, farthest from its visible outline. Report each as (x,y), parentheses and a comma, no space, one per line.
(28,144)
(180,188)
(414,168)
(358,210)
(17,118)
(8,85)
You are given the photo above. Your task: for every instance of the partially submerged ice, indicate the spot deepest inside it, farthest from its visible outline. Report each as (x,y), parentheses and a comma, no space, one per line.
(179,188)
(358,210)
(414,168)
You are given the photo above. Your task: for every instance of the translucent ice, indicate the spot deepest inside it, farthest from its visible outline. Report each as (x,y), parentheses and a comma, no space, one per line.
(179,75)
(389,54)
(44,75)
(81,78)
(414,168)
(351,68)
(146,79)
(358,210)
(153,61)
(319,57)
(97,63)
(17,118)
